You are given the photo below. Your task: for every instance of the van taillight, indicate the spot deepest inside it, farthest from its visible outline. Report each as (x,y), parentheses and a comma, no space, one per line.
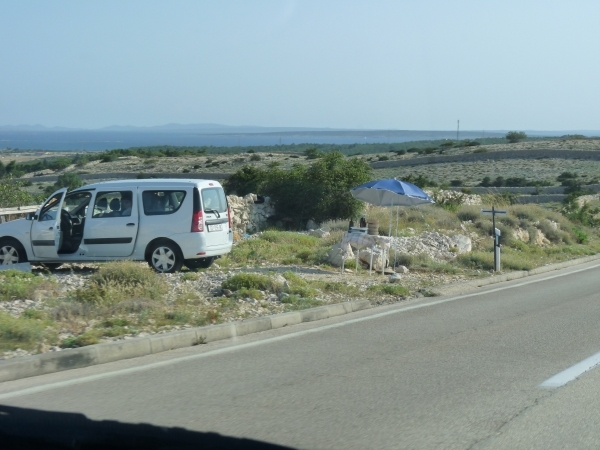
(197,222)
(229,216)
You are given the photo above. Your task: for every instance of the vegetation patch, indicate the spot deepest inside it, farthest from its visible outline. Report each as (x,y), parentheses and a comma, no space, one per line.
(22,332)
(16,285)
(122,280)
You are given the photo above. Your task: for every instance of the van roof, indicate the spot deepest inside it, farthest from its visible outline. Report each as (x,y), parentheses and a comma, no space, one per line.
(172,182)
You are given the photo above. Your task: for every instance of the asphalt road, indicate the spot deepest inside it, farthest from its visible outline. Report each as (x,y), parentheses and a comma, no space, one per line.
(452,373)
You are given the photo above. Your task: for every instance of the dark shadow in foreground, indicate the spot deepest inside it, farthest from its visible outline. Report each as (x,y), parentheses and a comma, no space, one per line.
(24,429)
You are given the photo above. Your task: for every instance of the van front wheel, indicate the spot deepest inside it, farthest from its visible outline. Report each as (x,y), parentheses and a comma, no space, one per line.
(200,263)
(165,257)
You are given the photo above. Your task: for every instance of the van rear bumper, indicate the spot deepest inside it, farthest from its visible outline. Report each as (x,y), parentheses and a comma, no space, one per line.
(193,243)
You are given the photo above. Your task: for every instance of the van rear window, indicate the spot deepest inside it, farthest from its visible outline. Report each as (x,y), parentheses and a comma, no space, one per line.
(158,203)
(214,199)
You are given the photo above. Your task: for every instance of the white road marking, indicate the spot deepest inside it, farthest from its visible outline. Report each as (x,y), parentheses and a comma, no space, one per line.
(170,362)
(562,378)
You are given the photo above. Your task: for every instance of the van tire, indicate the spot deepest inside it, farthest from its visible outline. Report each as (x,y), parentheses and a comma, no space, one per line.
(11,252)
(200,263)
(165,256)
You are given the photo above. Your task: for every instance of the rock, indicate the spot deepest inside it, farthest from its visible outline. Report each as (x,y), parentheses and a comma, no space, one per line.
(540,239)
(279,279)
(348,270)
(402,269)
(395,278)
(227,292)
(311,225)
(283,295)
(462,243)
(337,254)
(521,234)
(319,233)
(365,256)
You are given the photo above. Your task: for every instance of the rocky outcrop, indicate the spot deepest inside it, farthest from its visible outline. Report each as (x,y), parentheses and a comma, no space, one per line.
(250,213)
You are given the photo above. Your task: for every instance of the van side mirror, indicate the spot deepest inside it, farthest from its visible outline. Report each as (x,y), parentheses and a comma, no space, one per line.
(30,216)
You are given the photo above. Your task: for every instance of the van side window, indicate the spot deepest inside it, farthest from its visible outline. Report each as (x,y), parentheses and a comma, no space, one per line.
(113,204)
(213,199)
(158,203)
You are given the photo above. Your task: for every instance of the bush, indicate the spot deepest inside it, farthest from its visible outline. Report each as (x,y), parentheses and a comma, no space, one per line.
(403,259)
(580,235)
(13,194)
(67,180)
(551,233)
(246,180)
(515,136)
(20,332)
(320,191)
(16,285)
(468,213)
(87,338)
(312,153)
(250,281)
(255,157)
(477,260)
(118,281)
(388,289)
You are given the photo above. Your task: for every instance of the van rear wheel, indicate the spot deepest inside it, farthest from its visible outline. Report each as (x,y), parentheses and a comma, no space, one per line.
(165,257)
(200,263)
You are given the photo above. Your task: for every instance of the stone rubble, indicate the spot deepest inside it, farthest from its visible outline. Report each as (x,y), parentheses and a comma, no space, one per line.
(248,216)
(442,195)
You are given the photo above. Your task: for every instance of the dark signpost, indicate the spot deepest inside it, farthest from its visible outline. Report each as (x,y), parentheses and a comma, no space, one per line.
(495,212)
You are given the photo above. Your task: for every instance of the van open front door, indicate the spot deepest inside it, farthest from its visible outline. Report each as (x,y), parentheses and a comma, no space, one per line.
(46,233)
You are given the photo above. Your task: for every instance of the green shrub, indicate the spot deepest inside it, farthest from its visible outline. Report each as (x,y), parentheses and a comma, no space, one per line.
(477,260)
(388,289)
(526,213)
(16,285)
(245,292)
(468,213)
(293,302)
(551,233)
(403,259)
(580,236)
(122,280)
(20,332)
(87,338)
(250,281)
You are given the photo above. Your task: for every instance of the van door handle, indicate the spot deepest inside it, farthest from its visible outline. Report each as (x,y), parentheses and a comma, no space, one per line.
(130,225)
(51,228)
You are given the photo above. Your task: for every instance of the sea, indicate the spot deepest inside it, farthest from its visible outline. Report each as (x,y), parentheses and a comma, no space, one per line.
(90,140)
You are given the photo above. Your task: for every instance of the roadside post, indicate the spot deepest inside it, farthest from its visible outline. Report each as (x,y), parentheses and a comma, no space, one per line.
(495,212)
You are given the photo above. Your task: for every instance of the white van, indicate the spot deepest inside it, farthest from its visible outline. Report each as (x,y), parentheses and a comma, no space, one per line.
(167,222)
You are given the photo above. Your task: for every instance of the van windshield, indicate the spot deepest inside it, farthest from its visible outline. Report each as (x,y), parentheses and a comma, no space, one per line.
(213,199)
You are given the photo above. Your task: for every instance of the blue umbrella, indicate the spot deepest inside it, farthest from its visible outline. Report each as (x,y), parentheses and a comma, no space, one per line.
(390,192)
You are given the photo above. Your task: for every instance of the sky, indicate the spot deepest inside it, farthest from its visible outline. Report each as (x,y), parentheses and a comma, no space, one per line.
(403,64)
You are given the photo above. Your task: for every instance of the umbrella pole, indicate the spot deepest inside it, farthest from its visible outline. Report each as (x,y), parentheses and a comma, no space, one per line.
(396,251)
(371,263)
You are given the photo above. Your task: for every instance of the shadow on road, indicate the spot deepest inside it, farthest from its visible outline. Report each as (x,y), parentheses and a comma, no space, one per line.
(24,429)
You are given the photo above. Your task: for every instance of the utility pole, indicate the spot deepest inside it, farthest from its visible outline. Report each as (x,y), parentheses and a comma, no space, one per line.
(457,129)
